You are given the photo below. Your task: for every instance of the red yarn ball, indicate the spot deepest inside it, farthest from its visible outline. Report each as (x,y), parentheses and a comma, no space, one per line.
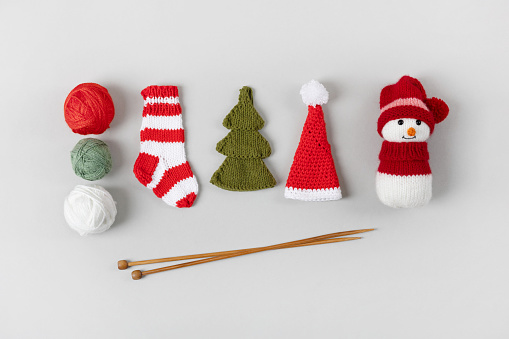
(89,109)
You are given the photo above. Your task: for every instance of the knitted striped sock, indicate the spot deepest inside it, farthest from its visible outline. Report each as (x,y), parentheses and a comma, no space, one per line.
(162,165)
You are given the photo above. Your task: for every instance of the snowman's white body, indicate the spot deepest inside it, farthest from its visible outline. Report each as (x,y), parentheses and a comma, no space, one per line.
(404,191)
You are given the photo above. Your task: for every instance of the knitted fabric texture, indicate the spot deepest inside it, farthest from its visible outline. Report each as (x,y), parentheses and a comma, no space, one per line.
(313,174)
(404,158)
(88,109)
(407,99)
(244,148)
(407,119)
(91,159)
(162,165)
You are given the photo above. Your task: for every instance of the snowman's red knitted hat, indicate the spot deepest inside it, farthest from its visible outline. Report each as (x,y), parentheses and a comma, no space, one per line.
(313,175)
(407,99)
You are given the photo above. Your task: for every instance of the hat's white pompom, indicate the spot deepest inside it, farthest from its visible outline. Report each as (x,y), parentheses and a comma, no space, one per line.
(314,93)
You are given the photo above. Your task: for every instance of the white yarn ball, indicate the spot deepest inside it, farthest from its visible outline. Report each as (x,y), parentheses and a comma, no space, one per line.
(89,209)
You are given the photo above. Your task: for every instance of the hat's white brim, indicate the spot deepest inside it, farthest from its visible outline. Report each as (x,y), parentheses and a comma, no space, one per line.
(324,194)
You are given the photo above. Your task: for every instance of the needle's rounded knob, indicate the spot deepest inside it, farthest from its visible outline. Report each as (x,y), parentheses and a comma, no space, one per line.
(136,275)
(122,264)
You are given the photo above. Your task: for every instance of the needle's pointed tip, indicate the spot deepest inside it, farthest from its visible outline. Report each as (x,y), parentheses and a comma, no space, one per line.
(368,230)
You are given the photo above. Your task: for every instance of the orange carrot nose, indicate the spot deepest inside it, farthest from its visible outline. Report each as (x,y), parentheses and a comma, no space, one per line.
(411,131)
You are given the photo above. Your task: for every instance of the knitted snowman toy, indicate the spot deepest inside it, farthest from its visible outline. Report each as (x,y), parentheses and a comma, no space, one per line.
(406,121)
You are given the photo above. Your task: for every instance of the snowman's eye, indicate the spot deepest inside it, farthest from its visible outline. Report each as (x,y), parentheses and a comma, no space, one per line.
(400,122)
(418,122)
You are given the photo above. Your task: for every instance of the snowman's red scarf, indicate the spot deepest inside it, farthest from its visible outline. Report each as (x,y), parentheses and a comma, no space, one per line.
(404,158)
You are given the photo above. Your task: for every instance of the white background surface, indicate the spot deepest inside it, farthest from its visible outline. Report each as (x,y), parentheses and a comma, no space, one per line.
(435,272)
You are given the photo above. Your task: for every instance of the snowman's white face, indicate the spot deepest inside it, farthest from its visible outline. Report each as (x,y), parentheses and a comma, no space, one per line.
(406,130)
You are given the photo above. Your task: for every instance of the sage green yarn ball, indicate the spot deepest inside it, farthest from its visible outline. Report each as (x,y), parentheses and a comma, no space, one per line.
(91,159)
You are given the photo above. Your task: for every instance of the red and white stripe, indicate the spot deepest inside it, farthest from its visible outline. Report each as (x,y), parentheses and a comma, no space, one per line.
(162,164)
(160,100)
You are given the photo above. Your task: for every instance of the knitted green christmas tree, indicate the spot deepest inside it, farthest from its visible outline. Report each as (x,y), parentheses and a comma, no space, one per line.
(244,147)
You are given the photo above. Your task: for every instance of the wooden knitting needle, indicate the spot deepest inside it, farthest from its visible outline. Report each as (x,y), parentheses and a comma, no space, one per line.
(123,264)
(136,275)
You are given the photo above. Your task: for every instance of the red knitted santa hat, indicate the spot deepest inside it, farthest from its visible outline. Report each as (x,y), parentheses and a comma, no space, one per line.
(407,99)
(313,175)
